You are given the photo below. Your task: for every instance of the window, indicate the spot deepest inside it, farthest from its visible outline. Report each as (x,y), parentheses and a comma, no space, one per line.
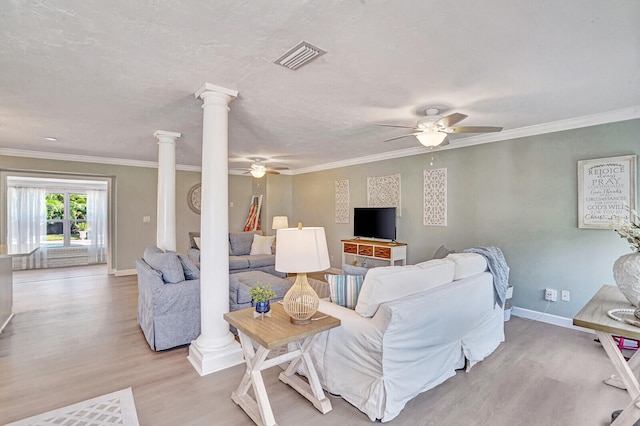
(66,219)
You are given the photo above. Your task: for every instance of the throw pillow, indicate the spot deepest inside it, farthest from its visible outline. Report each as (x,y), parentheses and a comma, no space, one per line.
(197,241)
(442,252)
(344,289)
(241,242)
(167,263)
(191,271)
(354,270)
(262,245)
(151,250)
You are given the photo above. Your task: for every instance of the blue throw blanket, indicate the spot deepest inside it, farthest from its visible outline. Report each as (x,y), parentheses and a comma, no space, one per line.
(498,267)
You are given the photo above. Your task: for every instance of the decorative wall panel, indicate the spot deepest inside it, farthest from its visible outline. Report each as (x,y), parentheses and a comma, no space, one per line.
(384,191)
(342,201)
(435,197)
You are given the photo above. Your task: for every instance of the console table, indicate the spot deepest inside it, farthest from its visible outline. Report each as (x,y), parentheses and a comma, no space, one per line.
(270,333)
(594,316)
(391,252)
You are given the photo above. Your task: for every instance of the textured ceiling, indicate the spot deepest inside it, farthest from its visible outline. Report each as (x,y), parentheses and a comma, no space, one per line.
(102,77)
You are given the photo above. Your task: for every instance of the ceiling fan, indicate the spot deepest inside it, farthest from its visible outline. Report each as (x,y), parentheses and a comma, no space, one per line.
(433,129)
(258,168)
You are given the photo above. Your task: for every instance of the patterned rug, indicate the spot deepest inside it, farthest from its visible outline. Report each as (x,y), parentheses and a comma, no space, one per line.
(117,408)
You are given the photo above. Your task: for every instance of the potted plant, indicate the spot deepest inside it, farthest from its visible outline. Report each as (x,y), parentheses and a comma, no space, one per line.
(261,296)
(82,229)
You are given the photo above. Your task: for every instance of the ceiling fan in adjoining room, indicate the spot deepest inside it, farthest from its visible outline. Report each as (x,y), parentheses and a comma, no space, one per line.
(258,168)
(433,130)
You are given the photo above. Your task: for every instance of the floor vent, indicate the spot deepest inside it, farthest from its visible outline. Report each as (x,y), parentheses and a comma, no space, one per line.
(300,54)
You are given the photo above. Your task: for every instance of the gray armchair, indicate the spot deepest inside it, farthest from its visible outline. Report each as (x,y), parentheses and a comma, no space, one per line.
(168,303)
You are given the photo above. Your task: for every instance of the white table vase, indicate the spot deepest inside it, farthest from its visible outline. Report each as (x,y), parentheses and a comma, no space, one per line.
(626,272)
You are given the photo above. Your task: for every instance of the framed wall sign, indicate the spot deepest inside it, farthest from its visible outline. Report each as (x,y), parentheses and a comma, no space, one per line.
(606,188)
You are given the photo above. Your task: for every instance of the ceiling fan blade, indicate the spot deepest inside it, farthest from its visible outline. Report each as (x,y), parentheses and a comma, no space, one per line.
(272,172)
(403,136)
(278,168)
(450,119)
(401,127)
(472,129)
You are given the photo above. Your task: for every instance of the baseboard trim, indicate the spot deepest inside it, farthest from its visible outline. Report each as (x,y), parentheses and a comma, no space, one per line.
(125,272)
(547,318)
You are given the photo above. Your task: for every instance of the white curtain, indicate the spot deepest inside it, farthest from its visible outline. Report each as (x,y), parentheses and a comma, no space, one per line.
(27,223)
(97,225)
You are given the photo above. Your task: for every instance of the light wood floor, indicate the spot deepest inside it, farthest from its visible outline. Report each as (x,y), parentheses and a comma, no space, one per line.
(75,337)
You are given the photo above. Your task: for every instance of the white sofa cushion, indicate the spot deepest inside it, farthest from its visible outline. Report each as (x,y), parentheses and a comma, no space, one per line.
(393,282)
(467,264)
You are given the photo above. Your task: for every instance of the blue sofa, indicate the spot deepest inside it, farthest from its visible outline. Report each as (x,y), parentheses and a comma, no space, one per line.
(240,259)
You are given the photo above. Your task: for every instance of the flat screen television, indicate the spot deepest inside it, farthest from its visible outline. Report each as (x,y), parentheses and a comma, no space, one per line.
(375,222)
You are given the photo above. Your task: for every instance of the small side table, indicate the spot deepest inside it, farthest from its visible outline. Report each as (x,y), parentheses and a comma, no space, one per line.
(270,333)
(594,316)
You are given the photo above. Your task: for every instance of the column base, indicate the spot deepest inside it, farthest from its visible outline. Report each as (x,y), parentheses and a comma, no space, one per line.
(209,360)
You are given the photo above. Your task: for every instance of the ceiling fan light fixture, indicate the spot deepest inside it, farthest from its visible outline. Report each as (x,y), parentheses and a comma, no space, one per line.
(430,139)
(258,170)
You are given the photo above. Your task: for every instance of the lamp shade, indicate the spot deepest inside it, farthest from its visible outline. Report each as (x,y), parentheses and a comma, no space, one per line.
(302,250)
(280,222)
(431,138)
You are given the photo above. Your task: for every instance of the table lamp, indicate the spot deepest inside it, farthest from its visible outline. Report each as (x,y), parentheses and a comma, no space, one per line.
(301,250)
(280,222)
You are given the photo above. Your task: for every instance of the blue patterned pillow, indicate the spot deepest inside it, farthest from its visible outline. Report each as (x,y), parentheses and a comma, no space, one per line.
(344,289)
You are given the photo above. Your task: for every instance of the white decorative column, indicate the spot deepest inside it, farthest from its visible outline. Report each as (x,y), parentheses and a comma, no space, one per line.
(166,227)
(216,348)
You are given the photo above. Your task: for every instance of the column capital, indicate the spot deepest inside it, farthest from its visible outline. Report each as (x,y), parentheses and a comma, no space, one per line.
(209,89)
(163,134)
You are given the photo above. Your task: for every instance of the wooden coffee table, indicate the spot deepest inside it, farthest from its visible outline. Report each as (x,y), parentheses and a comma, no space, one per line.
(594,316)
(270,333)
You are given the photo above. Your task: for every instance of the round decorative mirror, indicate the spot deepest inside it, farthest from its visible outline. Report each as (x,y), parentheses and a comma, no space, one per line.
(193,198)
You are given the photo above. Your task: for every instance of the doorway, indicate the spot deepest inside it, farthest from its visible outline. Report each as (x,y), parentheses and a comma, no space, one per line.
(54,222)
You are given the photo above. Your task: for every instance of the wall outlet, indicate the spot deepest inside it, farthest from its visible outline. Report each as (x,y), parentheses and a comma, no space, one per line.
(550,294)
(566,296)
(146,219)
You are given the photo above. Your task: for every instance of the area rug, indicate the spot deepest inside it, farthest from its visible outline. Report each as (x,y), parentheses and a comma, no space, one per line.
(117,408)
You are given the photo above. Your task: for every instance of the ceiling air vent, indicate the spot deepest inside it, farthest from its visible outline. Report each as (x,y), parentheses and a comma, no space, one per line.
(300,54)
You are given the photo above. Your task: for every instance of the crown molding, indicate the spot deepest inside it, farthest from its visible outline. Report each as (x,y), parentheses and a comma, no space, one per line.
(90,159)
(624,114)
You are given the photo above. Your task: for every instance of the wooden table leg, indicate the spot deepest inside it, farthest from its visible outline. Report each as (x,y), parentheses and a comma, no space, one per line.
(629,415)
(634,365)
(313,390)
(259,409)
(623,370)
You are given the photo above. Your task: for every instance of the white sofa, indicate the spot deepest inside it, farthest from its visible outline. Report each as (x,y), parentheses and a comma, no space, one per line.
(412,328)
